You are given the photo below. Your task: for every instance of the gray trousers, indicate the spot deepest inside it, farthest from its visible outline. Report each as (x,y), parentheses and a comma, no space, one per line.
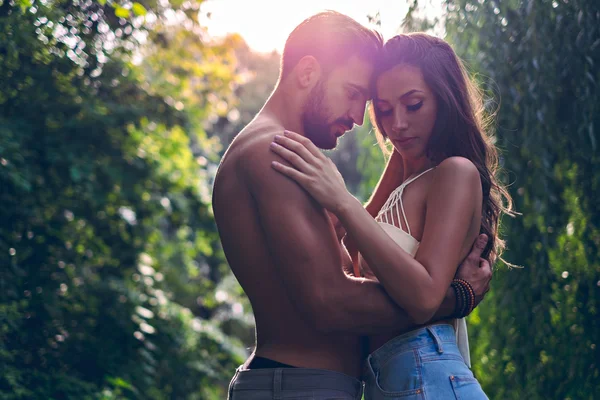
(293,383)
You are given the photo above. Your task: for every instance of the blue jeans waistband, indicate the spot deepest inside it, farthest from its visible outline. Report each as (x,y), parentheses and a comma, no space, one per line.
(437,334)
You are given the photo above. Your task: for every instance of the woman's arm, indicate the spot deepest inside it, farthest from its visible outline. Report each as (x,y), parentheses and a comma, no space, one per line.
(419,284)
(451,203)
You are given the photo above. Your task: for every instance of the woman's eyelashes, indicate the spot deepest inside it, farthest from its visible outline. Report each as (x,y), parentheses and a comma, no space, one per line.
(414,107)
(410,108)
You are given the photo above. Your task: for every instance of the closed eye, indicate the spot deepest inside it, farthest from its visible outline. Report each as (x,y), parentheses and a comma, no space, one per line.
(414,107)
(353,94)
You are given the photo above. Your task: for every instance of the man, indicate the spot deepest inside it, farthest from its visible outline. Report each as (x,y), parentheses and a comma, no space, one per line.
(281,244)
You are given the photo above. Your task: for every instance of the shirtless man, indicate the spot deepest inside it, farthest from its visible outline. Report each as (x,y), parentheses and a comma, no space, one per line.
(282,246)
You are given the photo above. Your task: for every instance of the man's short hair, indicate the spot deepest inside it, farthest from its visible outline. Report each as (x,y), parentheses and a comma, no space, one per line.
(332,38)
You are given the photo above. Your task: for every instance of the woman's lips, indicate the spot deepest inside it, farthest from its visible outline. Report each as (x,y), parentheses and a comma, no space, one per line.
(405,141)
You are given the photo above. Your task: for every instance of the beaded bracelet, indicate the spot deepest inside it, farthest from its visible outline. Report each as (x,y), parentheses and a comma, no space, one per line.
(471,296)
(465,298)
(460,299)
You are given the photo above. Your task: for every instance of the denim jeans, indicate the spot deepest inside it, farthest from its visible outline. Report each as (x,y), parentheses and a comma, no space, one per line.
(422,364)
(293,383)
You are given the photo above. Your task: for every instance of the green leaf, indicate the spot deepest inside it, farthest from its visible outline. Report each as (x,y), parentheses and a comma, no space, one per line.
(138,9)
(25,4)
(102,2)
(75,174)
(121,12)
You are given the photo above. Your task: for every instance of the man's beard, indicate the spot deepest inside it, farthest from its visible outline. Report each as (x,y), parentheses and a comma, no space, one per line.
(315,120)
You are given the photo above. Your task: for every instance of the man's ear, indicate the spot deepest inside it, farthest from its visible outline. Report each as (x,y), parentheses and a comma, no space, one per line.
(308,72)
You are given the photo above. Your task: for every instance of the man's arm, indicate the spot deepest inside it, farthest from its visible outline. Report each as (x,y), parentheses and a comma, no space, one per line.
(304,247)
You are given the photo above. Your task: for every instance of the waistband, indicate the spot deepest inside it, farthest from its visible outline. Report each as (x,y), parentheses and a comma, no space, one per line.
(266,363)
(282,379)
(437,334)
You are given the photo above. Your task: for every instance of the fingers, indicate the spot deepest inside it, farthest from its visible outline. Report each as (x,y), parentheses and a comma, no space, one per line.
(487,270)
(479,246)
(291,156)
(296,147)
(307,143)
(334,168)
(290,173)
(481,243)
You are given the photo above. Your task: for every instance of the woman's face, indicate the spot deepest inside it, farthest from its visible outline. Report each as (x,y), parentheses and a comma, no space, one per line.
(407,109)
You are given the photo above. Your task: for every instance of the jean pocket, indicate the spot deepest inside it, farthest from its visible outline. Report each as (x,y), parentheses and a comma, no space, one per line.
(466,387)
(398,378)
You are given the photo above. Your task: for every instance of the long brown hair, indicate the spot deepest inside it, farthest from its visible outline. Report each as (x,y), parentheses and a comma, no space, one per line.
(460,129)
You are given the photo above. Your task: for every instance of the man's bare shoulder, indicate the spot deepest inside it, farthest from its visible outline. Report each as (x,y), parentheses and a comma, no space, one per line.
(249,146)
(255,138)
(252,148)
(254,165)
(262,125)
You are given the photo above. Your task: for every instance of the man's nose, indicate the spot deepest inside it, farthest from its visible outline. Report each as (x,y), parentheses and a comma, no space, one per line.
(357,114)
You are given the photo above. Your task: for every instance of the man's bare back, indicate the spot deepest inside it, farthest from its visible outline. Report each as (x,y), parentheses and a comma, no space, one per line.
(282,332)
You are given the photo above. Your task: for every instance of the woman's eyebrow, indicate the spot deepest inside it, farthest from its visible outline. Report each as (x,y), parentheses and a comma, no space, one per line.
(409,93)
(376,99)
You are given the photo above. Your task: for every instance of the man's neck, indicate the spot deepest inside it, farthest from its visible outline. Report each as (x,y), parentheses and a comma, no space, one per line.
(285,108)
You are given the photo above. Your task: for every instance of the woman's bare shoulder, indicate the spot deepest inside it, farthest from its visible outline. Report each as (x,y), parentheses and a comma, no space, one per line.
(455,174)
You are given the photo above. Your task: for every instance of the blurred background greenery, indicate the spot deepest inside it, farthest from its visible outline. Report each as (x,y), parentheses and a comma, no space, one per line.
(113,118)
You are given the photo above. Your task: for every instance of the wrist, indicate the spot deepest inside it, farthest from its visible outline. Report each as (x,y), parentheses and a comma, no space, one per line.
(465,298)
(448,307)
(346,206)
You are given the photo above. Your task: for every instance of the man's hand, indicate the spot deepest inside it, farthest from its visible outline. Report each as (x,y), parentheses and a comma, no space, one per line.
(476,270)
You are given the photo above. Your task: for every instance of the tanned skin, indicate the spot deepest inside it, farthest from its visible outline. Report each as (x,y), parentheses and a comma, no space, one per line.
(282,246)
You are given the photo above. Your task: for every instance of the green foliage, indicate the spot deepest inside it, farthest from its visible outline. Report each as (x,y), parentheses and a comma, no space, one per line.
(255,80)
(107,242)
(370,161)
(542,59)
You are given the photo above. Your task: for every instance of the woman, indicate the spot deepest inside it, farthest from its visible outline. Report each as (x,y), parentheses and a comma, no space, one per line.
(444,166)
